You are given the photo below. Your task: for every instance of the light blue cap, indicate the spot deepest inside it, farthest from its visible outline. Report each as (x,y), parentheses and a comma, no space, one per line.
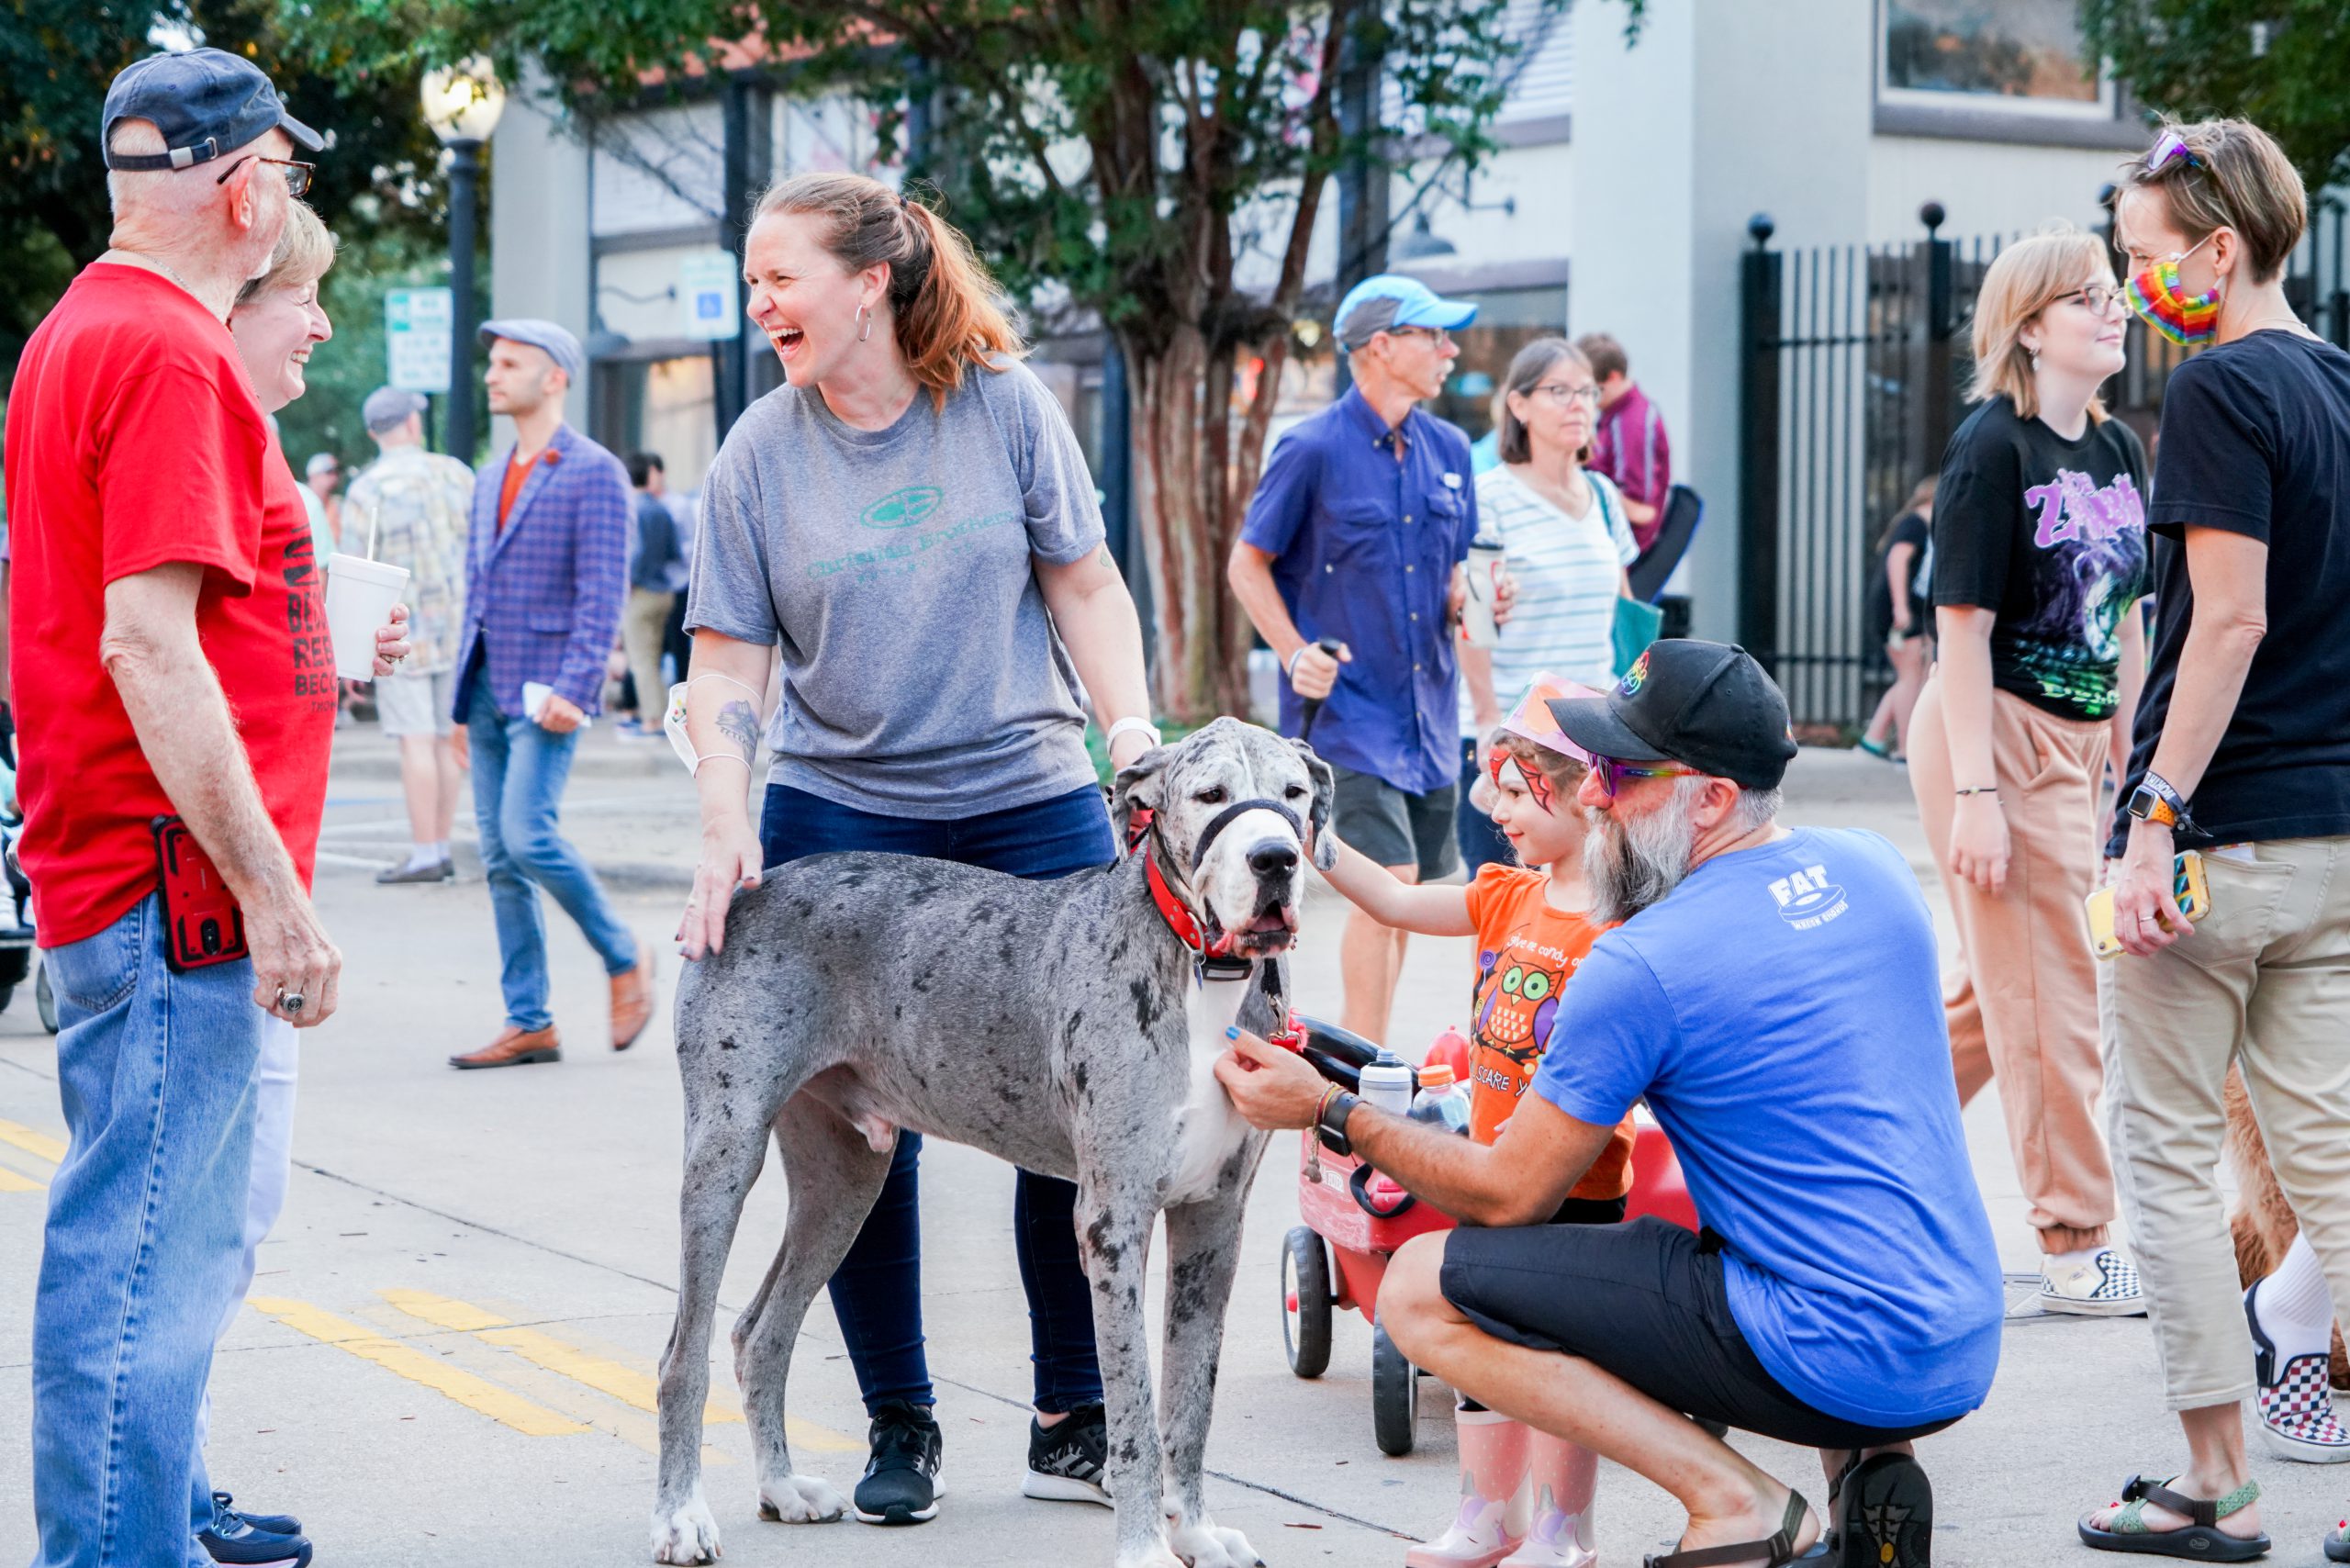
(558,342)
(1388,300)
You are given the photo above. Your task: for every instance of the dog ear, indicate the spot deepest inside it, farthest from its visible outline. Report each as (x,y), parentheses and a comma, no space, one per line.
(1137,789)
(1325,793)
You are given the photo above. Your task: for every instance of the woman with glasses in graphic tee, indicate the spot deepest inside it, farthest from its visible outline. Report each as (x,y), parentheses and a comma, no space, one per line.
(2243,753)
(2040,552)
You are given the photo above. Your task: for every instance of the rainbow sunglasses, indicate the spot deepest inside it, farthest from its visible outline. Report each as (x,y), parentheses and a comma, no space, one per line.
(1530,720)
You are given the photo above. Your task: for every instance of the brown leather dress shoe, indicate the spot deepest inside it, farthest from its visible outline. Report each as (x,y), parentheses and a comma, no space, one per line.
(633,998)
(512,1047)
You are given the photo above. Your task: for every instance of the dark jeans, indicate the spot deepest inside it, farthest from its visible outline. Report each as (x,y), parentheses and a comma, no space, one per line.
(1481,839)
(876,1291)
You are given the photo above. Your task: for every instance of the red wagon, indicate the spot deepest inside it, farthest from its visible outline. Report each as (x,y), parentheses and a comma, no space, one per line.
(1355,1218)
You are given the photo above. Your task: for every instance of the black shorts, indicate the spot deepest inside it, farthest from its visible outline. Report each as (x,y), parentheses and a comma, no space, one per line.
(1646,1302)
(1394,828)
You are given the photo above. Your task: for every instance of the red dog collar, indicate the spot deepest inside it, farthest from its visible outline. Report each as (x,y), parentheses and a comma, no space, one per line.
(1206,955)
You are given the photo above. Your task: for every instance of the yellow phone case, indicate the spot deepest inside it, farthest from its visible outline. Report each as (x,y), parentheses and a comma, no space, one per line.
(2187,886)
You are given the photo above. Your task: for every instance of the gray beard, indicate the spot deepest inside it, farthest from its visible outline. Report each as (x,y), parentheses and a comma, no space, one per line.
(1631,865)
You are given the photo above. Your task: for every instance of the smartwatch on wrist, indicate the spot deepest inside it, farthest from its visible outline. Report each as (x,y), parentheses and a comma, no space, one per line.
(2154,800)
(1330,1127)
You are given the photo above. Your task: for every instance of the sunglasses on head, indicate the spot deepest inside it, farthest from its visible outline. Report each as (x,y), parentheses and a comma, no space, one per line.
(1612,773)
(2172,146)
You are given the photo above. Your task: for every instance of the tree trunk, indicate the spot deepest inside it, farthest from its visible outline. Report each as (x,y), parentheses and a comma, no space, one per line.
(1177,482)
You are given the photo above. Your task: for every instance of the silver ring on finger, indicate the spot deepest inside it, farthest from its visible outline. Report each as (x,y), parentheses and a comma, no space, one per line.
(290,1002)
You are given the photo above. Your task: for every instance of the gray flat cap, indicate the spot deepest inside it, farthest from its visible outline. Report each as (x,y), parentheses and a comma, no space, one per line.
(558,342)
(389,407)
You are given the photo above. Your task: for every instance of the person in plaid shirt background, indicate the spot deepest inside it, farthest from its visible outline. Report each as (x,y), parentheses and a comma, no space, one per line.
(544,575)
(1629,445)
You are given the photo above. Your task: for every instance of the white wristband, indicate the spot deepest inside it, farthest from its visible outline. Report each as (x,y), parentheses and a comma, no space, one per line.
(1123,725)
(1289,669)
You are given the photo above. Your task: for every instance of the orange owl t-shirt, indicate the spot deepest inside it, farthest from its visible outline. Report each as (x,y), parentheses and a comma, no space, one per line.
(1527,952)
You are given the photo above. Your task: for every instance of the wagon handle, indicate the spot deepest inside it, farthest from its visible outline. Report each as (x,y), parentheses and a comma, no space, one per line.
(1359,1185)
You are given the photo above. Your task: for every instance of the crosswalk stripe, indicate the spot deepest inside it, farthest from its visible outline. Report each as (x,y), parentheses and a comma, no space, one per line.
(12,1183)
(625,1383)
(476,1394)
(49,1149)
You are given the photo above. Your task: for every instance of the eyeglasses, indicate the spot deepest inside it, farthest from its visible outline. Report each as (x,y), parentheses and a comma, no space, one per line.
(1612,773)
(2099,299)
(2171,146)
(1435,335)
(297,174)
(1560,394)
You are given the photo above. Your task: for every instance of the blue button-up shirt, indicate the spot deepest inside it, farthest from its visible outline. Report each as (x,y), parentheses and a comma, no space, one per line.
(1365,525)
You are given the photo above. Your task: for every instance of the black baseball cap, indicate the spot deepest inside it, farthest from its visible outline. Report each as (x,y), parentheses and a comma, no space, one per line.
(206,102)
(1705,705)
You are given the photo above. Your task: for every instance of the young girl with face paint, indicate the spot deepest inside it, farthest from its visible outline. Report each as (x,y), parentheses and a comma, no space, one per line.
(1524,1496)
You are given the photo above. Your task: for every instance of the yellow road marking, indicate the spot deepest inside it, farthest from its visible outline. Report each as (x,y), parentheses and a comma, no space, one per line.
(49,1149)
(625,1383)
(12,1183)
(475,1394)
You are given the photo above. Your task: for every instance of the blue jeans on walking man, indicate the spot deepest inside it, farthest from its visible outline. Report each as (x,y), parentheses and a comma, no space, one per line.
(519,769)
(144,1242)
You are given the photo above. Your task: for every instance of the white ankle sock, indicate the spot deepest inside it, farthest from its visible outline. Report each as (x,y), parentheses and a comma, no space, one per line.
(440,849)
(2295,1306)
(420,856)
(2056,1265)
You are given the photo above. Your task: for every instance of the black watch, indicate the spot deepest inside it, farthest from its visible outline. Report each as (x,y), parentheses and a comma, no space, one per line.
(1330,1127)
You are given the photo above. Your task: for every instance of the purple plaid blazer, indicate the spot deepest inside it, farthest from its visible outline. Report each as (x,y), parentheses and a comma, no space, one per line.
(542,597)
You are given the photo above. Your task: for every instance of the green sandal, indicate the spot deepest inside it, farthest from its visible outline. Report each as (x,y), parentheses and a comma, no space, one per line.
(2200,1540)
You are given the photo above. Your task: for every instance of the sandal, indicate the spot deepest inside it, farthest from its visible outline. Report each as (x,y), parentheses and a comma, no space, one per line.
(1884,1509)
(1778,1552)
(1881,750)
(2202,1539)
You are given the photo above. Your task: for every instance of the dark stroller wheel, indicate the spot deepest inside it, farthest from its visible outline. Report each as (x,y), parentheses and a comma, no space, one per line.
(1305,1301)
(1394,1396)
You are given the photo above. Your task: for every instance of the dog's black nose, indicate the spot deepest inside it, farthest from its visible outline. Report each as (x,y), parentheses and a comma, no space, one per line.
(1272,858)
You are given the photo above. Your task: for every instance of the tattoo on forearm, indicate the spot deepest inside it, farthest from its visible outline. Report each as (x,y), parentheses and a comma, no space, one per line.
(740,724)
(1106,560)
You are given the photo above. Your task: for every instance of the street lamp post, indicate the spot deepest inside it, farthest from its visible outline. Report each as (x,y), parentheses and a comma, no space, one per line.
(461,103)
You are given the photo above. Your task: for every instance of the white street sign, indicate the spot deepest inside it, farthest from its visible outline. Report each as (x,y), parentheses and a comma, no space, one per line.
(418,324)
(706,296)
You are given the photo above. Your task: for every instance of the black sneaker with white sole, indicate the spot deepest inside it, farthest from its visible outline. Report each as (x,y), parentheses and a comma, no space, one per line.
(901,1484)
(234,1539)
(1069,1461)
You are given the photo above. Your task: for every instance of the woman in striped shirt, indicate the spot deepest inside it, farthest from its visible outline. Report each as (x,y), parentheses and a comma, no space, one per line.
(1563,530)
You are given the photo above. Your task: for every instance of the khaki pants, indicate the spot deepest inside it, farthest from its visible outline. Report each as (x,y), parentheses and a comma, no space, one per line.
(2021,1000)
(2264,982)
(640,626)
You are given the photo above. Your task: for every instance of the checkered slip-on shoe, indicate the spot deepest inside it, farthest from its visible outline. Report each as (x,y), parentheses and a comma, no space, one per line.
(2296,1420)
(2104,1286)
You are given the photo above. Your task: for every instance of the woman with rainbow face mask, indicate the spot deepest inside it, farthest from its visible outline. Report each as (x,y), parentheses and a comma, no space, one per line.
(2241,751)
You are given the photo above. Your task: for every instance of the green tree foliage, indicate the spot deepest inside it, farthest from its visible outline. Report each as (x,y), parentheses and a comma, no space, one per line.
(2282,64)
(56,60)
(1158,165)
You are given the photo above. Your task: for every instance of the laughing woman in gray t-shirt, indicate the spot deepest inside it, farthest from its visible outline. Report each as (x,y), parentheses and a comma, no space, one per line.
(911,521)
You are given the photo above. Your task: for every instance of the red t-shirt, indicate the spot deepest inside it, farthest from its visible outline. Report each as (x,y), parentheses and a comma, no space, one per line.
(1527,953)
(134,441)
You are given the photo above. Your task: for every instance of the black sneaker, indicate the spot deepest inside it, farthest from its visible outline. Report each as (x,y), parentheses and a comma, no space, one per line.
(901,1484)
(1069,1462)
(224,1505)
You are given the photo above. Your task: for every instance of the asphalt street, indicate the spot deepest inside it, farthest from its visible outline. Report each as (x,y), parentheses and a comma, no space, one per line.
(448,1355)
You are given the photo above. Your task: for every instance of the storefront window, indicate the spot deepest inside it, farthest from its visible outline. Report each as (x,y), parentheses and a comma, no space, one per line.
(663,406)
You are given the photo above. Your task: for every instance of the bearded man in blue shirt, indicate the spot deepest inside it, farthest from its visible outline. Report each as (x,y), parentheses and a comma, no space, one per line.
(1356,534)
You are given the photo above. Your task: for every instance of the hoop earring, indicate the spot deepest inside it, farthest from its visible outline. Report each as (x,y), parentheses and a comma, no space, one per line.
(863,322)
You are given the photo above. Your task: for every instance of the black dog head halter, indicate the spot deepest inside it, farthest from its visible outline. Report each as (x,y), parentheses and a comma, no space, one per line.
(1208,956)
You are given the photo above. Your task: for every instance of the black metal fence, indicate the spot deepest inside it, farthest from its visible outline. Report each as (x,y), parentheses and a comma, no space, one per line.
(1853,371)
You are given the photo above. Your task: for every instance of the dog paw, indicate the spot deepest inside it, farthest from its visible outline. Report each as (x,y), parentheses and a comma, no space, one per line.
(687,1533)
(1202,1545)
(799,1500)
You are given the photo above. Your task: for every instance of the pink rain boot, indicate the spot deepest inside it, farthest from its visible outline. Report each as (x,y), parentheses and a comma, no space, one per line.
(1493,1494)
(1563,1476)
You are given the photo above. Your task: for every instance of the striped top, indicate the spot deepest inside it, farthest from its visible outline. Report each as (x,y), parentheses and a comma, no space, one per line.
(1569,572)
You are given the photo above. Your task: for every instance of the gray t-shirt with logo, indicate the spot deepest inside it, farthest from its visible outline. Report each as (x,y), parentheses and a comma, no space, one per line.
(921,675)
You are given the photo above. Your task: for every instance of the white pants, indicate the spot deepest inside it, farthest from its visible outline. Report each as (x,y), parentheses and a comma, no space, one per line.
(281,1054)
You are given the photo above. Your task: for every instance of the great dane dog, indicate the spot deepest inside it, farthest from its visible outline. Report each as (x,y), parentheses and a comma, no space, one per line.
(1065,1026)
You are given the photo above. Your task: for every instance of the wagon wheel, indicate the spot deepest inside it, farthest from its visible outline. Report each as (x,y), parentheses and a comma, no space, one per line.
(1305,1301)
(1394,1395)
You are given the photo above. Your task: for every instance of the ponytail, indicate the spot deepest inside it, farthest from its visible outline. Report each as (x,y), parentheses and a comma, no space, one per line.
(943,302)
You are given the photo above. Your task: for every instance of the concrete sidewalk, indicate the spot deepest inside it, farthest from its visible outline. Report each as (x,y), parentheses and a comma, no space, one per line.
(448,1353)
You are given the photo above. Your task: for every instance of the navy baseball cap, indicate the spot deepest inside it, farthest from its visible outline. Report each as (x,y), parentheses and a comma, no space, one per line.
(1390,300)
(206,102)
(557,341)
(1705,705)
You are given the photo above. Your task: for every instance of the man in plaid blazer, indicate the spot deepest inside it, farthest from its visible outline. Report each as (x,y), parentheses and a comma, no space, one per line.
(545,569)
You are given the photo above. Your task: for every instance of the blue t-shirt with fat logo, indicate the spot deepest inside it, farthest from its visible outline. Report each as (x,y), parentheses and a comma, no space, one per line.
(1782,1013)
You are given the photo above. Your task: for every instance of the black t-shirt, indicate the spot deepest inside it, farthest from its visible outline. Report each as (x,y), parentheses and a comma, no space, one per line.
(1908,529)
(2051,535)
(2256,441)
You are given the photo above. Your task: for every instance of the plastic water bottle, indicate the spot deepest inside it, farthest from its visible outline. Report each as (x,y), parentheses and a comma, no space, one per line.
(1441,1103)
(1387,1083)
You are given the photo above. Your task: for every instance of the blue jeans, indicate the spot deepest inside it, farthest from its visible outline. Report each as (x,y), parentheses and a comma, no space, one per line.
(144,1243)
(519,774)
(876,1291)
